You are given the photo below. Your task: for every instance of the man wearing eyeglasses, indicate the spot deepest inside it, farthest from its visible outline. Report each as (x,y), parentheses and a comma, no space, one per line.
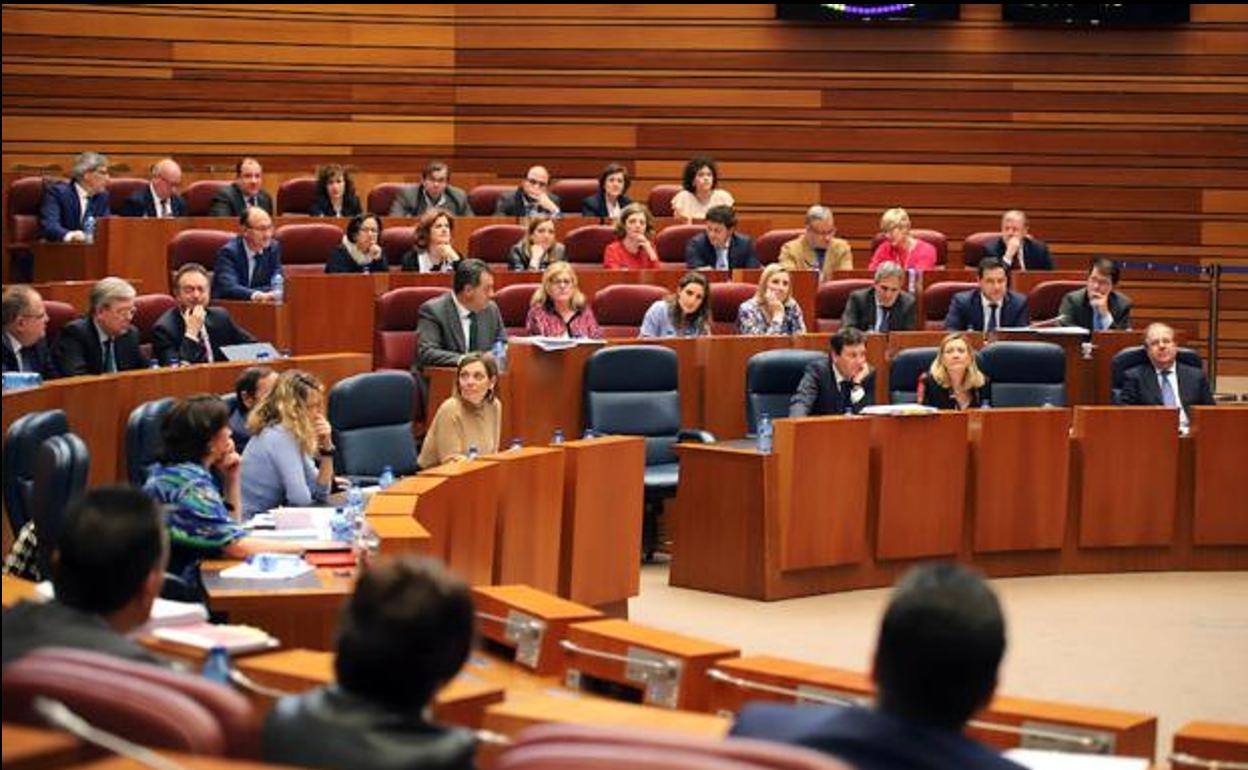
(66,205)
(246,265)
(530,198)
(160,197)
(105,340)
(25,332)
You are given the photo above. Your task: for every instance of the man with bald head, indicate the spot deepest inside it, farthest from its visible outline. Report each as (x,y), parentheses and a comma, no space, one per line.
(160,198)
(244,191)
(531,198)
(246,264)
(1016,248)
(1163,380)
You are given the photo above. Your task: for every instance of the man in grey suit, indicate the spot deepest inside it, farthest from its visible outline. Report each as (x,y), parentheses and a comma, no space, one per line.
(1099,305)
(434,192)
(243,193)
(460,322)
(883,307)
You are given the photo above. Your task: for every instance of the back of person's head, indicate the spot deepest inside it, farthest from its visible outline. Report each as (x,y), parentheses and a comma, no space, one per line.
(405,631)
(248,383)
(941,641)
(189,427)
(111,541)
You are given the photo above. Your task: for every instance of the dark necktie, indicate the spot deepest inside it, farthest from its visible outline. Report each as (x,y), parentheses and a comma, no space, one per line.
(884,314)
(110,357)
(29,362)
(472,331)
(847,395)
(203,343)
(252,201)
(1167,391)
(991,326)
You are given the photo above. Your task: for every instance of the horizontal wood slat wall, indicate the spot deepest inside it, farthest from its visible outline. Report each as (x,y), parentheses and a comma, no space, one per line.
(1130,143)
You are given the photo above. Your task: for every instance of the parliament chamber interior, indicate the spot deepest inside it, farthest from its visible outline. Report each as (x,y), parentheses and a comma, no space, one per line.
(593,371)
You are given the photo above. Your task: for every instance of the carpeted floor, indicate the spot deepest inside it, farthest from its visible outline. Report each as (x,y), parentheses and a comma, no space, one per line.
(1170,644)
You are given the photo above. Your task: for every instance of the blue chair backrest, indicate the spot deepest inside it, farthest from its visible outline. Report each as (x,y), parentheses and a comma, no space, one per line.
(1025,373)
(61,467)
(903,374)
(1129,358)
(143,437)
(21,444)
(771,379)
(632,390)
(371,415)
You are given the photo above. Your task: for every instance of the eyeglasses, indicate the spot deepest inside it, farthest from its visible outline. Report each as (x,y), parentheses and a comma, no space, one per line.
(124,312)
(562,282)
(367,229)
(38,316)
(537,182)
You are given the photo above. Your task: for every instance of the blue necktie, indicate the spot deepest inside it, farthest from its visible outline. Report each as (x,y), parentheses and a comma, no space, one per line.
(1167,391)
(1097,323)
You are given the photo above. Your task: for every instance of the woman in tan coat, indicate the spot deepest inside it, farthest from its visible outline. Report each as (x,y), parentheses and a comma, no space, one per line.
(470,418)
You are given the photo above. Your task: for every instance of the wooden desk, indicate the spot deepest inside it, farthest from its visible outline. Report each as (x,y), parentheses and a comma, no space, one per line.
(529,520)
(603,497)
(918,469)
(1221,445)
(37,748)
(723,380)
(297,617)
(548,617)
(735,681)
(332,313)
(99,406)
(475,490)
(515,714)
(1220,742)
(69,261)
(668,669)
(544,391)
(267,321)
(461,702)
(1019,478)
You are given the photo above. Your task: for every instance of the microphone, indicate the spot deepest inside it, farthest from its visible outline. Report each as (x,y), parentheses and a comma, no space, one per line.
(59,715)
(1058,320)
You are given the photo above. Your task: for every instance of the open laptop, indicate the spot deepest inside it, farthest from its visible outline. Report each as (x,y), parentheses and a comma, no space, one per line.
(251,351)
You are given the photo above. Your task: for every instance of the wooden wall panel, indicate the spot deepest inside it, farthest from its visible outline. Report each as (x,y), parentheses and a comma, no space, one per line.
(1126,142)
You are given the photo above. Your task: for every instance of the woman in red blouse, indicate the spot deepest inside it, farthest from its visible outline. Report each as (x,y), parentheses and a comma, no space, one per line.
(559,308)
(632,249)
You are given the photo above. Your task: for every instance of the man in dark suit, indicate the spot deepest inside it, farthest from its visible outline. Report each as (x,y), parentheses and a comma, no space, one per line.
(990,307)
(25,332)
(111,560)
(191,331)
(244,191)
(103,341)
(66,205)
(246,265)
(435,191)
(940,643)
(721,247)
(530,198)
(460,322)
(1016,248)
(883,307)
(160,198)
(1099,305)
(847,385)
(1163,381)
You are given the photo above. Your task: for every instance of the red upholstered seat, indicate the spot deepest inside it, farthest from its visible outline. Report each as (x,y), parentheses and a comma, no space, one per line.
(660,200)
(934,237)
(395,242)
(394,338)
(120,188)
(148,308)
(195,246)
(573,192)
(936,299)
(830,301)
(726,298)
(59,314)
(484,197)
(25,195)
(200,194)
(1045,298)
(621,308)
(671,241)
(296,196)
(382,196)
(585,245)
(769,243)
(306,246)
(513,302)
(973,247)
(492,242)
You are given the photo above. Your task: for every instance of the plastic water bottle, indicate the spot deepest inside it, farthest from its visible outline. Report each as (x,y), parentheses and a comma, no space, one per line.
(88,228)
(278,288)
(217,665)
(367,545)
(558,437)
(589,433)
(473,452)
(500,354)
(764,434)
(355,507)
(516,443)
(984,404)
(913,277)
(386,479)
(340,526)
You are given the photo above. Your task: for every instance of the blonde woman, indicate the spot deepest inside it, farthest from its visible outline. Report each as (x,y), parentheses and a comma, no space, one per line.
(559,309)
(772,309)
(471,417)
(290,457)
(539,249)
(900,246)
(953,381)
